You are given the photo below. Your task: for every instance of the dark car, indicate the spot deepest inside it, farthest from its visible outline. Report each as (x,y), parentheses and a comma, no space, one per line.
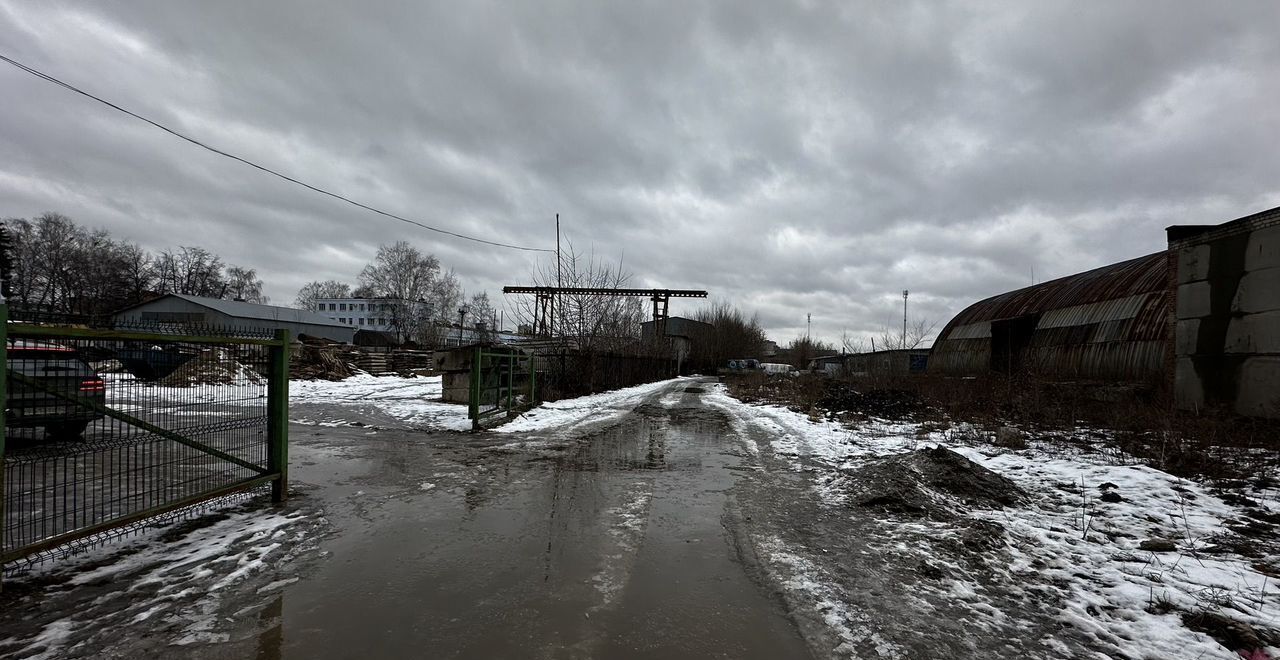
(57,368)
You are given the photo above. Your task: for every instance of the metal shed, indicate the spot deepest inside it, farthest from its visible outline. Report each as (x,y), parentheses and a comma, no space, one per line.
(182,310)
(1108,323)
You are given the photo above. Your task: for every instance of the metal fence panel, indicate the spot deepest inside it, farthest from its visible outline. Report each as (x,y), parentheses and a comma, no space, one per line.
(103,428)
(502,383)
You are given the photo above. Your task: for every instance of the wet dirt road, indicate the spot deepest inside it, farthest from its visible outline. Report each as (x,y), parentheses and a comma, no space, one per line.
(624,541)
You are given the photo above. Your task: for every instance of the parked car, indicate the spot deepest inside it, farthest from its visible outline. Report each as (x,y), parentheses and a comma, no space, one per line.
(58,368)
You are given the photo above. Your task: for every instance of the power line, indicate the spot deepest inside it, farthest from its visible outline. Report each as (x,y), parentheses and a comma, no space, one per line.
(49,78)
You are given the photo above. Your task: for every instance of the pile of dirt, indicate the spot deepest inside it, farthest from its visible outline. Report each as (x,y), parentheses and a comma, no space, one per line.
(1238,636)
(319,361)
(936,483)
(213,366)
(838,397)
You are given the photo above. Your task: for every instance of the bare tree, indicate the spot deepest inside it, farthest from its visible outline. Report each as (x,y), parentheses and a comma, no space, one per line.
(803,349)
(732,335)
(243,284)
(416,289)
(917,333)
(192,271)
(482,311)
(445,295)
(59,266)
(53,247)
(851,344)
(313,291)
(138,272)
(62,267)
(594,322)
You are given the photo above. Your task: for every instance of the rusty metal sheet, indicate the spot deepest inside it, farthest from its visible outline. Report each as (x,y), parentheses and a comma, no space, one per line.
(1109,322)
(1135,277)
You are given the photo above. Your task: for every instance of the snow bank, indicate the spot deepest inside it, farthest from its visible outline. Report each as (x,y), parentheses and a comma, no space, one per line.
(1125,600)
(567,413)
(800,436)
(415,401)
(1090,549)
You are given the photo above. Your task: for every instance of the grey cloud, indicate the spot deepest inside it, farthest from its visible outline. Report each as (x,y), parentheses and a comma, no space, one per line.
(792,158)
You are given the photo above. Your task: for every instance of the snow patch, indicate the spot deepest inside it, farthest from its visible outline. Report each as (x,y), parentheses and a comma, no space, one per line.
(815,594)
(565,414)
(413,400)
(1066,539)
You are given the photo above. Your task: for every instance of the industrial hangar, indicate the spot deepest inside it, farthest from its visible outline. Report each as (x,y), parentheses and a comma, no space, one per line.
(1201,318)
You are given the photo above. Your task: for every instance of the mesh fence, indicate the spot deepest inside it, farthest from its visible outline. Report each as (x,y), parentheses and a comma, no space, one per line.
(103,428)
(502,382)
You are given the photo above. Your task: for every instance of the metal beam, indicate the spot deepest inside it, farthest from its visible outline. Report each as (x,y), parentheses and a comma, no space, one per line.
(593,291)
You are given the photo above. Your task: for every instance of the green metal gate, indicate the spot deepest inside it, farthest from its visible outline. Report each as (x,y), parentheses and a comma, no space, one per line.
(107,428)
(502,383)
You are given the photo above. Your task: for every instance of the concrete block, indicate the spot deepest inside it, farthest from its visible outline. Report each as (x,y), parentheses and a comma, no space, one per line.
(1254,333)
(1193,264)
(1259,291)
(1194,300)
(1186,337)
(1263,250)
(1188,391)
(1259,392)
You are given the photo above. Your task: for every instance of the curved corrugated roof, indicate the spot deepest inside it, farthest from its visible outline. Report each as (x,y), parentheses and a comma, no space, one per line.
(1077,296)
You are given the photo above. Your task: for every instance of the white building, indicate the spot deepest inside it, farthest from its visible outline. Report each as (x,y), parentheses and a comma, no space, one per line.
(376,314)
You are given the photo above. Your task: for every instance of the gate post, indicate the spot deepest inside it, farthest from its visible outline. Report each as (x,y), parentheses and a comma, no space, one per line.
(511,380)
(278,416)
(4,403)
(533,376)
(473,399)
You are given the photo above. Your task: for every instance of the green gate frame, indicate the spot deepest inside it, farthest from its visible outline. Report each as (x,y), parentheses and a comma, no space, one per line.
(494,371)
(276,472)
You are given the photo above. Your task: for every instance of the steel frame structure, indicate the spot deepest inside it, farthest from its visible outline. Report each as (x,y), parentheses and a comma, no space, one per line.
(545,302)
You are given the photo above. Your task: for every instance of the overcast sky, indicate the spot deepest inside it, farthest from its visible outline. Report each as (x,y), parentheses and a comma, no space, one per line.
(789,158)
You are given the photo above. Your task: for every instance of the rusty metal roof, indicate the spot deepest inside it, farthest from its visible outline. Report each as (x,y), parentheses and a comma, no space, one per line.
(1135,289)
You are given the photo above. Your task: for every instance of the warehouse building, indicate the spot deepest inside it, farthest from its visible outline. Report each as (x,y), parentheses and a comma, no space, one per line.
(181,312)
(1107,323)
(1202,318)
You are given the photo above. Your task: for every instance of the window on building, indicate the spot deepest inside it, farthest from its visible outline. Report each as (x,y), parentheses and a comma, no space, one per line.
(361,320)
(382,321)
(343,307)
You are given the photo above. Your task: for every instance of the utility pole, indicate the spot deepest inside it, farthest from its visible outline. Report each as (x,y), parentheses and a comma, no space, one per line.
(555,300)
(905,293)
(809,329)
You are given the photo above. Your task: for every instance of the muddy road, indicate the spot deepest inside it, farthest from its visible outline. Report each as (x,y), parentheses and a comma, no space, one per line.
(625,538)
(623,542)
